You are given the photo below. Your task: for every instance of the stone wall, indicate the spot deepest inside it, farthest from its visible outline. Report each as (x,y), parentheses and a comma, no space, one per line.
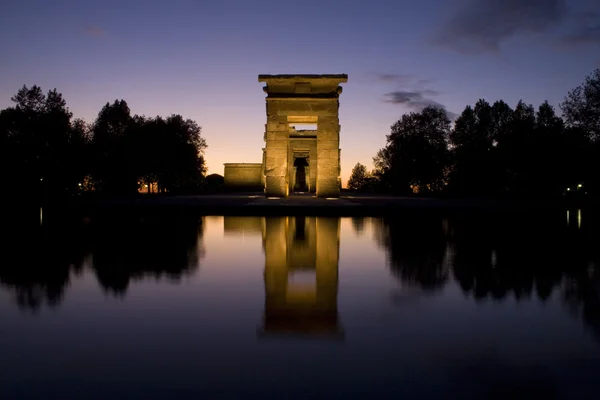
(244,176)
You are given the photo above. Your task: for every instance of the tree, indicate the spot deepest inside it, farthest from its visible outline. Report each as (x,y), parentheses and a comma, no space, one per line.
(581,107)
(359,178)
(169,152)
(37,150)
(112,146)
(581,111)
(474,154)
(516,145)
(416,155)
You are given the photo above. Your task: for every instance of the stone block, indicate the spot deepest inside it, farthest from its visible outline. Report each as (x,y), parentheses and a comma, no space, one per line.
(276,126)
(276,170)
(327,170)
(276,135)
(277,153)
(328,144)
(243,175)
(328,187)
(275,186)
(325,135)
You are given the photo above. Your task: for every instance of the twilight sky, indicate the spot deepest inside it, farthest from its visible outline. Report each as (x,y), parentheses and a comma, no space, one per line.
(201,58)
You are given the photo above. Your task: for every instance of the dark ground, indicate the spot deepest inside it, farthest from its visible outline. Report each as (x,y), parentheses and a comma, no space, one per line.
(255,203)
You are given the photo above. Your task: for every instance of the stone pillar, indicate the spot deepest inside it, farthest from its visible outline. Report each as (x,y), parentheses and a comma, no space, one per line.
(276,155)
(328,155)
(264,160)
(312,167)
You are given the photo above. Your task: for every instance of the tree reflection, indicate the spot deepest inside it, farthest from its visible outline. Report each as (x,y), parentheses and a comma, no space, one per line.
(38,258)
(153,247)
(416,249)
(512,254)
(358,225)
(499,255)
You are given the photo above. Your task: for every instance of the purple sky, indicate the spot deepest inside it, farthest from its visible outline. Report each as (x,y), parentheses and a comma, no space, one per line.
(201,58)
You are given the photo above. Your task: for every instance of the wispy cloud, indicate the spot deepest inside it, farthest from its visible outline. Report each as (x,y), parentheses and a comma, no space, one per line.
(482,25)
(411,92)
(413,100)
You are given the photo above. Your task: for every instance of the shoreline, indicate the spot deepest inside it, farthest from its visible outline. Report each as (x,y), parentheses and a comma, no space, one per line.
(256,204)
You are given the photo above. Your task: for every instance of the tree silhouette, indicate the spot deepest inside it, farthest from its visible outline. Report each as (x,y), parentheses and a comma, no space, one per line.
(581,111)
(416,155)
(359,178)
(112,146)
(38,145)
(475,157)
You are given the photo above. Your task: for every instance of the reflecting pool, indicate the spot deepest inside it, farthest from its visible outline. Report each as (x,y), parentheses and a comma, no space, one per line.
(421,304)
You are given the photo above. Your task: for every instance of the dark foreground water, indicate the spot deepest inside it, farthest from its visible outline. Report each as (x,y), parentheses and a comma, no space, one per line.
(421,305)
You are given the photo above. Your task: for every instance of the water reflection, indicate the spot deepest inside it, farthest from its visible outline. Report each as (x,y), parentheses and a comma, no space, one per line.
(40,260)
(141,248)
(496,256)
(37,260)
(512,306)
(300,275)
(416,248)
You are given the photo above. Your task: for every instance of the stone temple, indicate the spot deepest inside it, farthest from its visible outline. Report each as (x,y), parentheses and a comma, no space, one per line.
(297,158)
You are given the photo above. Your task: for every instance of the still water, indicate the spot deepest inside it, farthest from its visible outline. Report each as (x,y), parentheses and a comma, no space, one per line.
(421,305)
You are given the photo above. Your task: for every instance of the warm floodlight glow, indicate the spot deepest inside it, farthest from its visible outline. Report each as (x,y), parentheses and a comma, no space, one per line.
(273,198)
(253,197)
(579,186)
(80,185)
(579,218)
(330,198)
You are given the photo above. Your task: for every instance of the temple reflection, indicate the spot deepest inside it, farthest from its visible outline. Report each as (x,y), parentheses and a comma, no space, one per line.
(301,273)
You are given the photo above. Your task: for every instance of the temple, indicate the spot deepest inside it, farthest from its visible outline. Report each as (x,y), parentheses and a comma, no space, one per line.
(302,138)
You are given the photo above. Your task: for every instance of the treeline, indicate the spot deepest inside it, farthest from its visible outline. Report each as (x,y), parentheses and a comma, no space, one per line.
(46,154)
(493,150)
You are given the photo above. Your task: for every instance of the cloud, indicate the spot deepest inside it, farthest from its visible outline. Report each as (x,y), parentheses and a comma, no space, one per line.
(482,25)
(94,31)
(416,100)
(411,92)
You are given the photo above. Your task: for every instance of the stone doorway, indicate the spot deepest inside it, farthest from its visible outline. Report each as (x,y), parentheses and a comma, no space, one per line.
(300,172)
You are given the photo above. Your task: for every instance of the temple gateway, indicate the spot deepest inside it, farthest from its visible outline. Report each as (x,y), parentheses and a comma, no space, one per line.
(302,135)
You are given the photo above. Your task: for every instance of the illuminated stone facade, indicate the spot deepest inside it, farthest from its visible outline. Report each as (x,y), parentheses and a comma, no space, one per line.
(244,175)
(294,159)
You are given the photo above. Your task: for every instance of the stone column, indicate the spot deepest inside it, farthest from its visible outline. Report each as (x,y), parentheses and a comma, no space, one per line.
(328,155)
(312,167)
(276,149)
(264,160)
